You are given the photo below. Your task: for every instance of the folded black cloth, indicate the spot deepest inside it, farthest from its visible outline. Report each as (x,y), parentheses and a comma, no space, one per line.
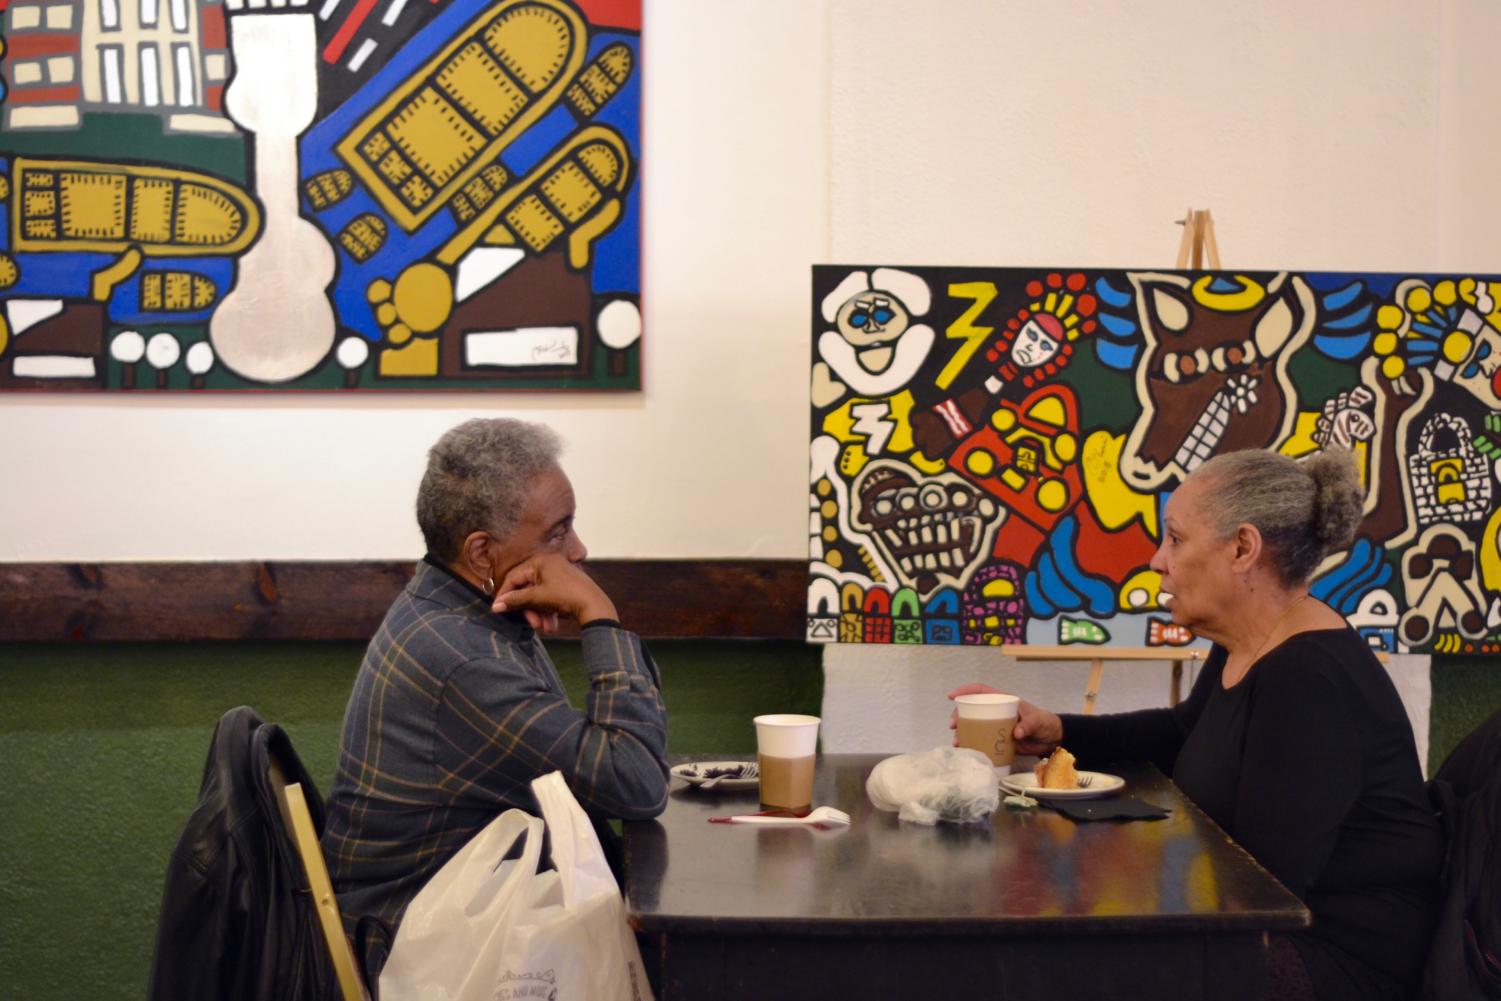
(1116,808)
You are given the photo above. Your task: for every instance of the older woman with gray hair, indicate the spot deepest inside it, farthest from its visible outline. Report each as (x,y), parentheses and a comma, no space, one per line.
(457,707)
(1294,739)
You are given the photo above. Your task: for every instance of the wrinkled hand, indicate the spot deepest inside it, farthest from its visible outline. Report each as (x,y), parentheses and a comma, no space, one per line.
(548,585)
(1037,731)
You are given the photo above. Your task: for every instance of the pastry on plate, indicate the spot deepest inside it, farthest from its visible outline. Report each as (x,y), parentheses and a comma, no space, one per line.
(1057,771)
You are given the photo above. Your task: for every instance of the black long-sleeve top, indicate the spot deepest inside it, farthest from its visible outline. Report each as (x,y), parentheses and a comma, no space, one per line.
(1308,763)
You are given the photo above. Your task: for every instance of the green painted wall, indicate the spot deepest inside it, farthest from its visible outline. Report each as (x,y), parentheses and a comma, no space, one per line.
(102,749)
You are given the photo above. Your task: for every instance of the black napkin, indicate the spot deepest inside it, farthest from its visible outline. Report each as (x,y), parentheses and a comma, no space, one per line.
(1116,808)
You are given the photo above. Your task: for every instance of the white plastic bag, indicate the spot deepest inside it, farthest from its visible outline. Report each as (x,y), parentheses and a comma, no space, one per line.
(956,784)
(486,930)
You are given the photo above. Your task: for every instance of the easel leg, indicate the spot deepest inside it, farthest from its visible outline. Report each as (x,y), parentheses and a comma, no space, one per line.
(1092,689)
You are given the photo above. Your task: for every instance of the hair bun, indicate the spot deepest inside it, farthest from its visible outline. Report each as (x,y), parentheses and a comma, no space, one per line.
(1338,497)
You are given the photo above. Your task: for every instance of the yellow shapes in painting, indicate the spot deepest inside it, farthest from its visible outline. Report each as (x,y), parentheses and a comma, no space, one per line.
(923,464)
(364,235)
(980,462)
(1052,495)
(176,292)
(102,282)
(871,428)
(1433,316)
(600,81)
(99,206)
(574,193)
(10,272)
(1303,441)
(1115,504)
(1248,296)
(454,115)
(853,459)
(972,334)
(1140,592)
(419,303)
(1050,410)
(1490,553)
(417,358)
(825,517)
(479,192)
(422,296)
(1448,480)
(4,333)
(328,188)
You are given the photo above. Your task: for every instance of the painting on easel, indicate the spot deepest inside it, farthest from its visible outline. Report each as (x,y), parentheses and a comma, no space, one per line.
(991,448)
(341,195)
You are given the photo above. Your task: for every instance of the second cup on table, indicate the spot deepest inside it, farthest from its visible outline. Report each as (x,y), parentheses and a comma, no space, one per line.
(785,746)
(985,724)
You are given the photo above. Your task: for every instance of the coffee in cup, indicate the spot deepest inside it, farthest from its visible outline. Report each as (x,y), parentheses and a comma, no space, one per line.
(985,723)
(785,747)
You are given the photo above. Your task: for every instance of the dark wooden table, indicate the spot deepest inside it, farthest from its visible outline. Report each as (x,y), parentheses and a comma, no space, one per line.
(1028,906)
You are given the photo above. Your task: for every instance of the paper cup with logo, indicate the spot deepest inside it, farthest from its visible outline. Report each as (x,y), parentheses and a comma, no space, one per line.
(785,746)
(985,724)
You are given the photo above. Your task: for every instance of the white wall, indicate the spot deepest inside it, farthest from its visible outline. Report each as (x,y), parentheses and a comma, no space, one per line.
(778,133)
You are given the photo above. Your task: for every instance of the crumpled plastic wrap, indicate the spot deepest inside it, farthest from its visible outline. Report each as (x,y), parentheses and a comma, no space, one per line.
(954,784)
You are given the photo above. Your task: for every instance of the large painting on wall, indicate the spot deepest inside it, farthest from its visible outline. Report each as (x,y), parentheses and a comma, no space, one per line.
(991,449)
(320,194)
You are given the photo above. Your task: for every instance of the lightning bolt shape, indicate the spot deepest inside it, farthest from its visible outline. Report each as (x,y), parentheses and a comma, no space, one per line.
(870,420)
(965,329)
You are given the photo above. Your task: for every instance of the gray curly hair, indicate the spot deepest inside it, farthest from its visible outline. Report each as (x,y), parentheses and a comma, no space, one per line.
(1304,510)
(477,479)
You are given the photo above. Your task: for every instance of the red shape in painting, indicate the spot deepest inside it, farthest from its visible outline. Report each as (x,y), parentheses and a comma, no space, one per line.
(612,13)
(1114,556)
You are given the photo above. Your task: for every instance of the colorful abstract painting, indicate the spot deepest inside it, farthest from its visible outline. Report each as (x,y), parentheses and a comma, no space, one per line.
(320,194)
(991,449)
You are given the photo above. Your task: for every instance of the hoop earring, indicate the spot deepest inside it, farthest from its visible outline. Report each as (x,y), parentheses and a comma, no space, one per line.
(490,585)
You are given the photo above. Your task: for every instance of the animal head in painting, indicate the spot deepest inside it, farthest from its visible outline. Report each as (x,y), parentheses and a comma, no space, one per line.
(1213,377)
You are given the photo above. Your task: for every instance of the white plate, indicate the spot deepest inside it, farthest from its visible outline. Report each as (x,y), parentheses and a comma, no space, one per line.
(1100,784)
(740,774)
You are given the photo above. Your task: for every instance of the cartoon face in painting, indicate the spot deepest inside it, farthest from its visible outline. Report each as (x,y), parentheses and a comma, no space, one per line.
(1214,375)
(933,530)
(876,346)
(1480,370)
(872,318)
(1039,339)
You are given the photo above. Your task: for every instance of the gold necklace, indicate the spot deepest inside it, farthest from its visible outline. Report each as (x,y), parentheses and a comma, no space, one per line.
(1285,613)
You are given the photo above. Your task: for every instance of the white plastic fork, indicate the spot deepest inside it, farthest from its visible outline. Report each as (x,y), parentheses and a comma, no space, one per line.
(823,815)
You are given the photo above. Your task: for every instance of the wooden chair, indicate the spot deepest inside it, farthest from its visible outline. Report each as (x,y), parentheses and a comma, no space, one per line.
(299,823)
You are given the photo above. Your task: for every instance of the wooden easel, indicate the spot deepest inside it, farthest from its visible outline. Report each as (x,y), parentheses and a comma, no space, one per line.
(1195,249)
(1197,244)
(1097,657)
(1198,241)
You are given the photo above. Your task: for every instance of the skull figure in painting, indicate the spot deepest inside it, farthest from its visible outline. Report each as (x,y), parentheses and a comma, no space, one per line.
(991,448)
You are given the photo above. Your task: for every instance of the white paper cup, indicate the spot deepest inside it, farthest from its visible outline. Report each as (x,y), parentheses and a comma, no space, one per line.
(785,747)
(985,724)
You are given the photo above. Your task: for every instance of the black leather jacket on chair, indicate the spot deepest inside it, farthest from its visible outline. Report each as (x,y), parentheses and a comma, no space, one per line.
(237,923)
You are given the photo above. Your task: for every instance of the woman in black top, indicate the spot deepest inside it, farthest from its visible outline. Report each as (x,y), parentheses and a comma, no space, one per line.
(1293,739)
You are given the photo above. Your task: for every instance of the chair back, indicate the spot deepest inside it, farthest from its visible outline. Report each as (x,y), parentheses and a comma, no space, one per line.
(299,824)
(1464,960)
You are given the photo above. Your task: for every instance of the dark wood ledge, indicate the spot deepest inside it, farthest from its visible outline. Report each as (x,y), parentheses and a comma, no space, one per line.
(185,602)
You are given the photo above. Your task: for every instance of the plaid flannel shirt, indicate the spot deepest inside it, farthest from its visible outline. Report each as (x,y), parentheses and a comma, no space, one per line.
(454,712)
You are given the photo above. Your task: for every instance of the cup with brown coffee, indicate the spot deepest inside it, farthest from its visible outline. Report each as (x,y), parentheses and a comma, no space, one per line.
(985,723)
(785,746)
